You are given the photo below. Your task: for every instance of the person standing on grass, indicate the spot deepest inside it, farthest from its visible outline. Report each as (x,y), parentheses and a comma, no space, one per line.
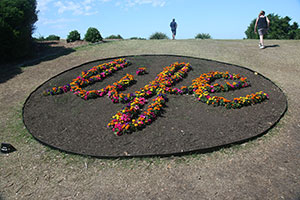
(262,24)
(173,26)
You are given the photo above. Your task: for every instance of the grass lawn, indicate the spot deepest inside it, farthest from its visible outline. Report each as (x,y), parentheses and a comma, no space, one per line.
(266,168)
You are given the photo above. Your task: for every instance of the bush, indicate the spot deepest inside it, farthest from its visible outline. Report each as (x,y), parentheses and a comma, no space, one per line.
(137,38)
(158,36)
(17,18)
(92,35)
(202,36)
(114,37)
(53,37)
(73,36)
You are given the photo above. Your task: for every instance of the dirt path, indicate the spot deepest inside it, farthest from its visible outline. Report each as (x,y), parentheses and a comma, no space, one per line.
(266,168)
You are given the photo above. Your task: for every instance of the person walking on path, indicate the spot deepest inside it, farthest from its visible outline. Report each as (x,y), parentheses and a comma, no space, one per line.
(262,24)
(173,26)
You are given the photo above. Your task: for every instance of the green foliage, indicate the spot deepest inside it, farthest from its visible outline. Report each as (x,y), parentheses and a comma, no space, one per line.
(295,31)
(17,18)
(250,34)
(280,28)
(203,36)
(93,35)
(158,36)
(73,36)
(114,37)
(53,37)
(297,34)
(137,38)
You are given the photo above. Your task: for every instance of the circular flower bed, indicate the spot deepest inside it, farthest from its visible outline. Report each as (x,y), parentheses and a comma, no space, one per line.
(178,118)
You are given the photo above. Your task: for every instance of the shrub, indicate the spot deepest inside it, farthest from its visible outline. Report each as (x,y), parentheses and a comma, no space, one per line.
(114,37)
(93,35)
(17,18)
(73,36)
(53,37)
(137,38)
(203,36)
(158,36)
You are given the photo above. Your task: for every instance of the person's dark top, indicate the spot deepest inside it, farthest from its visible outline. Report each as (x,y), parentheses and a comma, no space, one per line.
(262,23)
(173,25)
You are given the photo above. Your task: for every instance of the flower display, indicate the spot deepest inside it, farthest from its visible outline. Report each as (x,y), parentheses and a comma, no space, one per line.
(133,116)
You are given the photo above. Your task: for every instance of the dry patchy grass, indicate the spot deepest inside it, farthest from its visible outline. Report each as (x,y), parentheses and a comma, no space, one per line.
(266,168)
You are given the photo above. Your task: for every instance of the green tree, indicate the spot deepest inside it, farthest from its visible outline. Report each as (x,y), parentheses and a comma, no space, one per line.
(17,18)
(250,34)
(92,35)
(297,34)
(280,28)
(73,36)
(294,32)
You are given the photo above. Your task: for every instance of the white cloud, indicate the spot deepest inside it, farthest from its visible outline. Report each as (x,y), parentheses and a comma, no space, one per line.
(154,3)
(42,5)
(77,8)
(46,21)
(88,7)
(132,3)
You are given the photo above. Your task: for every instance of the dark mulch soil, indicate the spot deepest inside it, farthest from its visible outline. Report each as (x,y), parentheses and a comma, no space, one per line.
(72,124)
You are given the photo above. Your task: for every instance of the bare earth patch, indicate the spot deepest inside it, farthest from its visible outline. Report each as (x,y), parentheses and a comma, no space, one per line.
(72,124)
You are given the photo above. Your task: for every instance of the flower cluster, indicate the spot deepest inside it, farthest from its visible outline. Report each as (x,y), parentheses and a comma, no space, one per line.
(57,90)
(130,118)
(110,90)
(141,71)
(201,88)
(161,84)
(168,77)
(95,74)
(253,98)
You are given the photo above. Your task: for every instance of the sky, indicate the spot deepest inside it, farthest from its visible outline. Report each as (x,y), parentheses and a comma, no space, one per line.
(222,19)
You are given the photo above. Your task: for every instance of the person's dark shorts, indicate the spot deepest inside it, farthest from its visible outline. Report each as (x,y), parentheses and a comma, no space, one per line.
(262,31)
(174,31)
